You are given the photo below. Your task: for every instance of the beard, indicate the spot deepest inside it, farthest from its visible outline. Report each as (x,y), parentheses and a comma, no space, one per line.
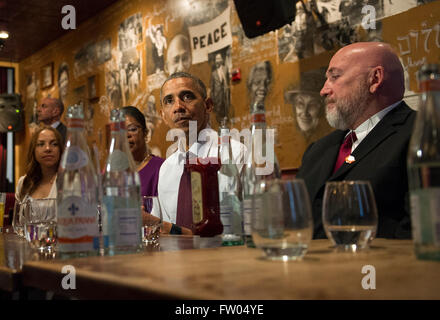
(348,109)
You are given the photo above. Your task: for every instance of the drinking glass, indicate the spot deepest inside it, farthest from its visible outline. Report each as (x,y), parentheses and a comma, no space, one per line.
(349,214)
(282,226)
(40,224)
(18,216)
(152,224)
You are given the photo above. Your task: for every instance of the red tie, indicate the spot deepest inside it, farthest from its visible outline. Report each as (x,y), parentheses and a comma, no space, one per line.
(345,150)
(184,200)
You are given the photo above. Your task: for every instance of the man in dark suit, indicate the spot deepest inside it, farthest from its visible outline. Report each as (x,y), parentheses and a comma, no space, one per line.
(363,94)
(49,112)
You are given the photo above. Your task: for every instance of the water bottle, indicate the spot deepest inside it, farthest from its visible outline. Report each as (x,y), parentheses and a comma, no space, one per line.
(230,197)
(424,167)
(122,217)
(261,163)
(77,184)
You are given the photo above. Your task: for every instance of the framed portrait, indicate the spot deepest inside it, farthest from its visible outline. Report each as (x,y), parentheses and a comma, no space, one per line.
(79,94)
(47,75)
(92,87)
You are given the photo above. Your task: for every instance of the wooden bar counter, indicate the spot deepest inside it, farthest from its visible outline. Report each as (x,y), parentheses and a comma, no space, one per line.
(240,273)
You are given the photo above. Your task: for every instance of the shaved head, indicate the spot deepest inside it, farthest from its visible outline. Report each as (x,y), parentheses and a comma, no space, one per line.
(373,54)
(362,79)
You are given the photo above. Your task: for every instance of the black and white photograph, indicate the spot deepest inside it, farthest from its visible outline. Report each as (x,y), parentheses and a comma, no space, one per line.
(307,104)
(47,76)
(32,88)
(113,88)
(220,62)
(324,25)
(79,95)
(63,80)
(352,9)
(128,62)
(296,40)
(156,46)
(258,84)
(103,51)
(92,84)
(196,12)
(178,56)
(130,32)
(84,60)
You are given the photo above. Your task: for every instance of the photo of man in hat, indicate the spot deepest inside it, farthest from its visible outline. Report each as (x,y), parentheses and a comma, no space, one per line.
(308,105)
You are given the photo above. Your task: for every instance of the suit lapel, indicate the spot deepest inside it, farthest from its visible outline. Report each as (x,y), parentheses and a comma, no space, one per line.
(385,128)
(331,153)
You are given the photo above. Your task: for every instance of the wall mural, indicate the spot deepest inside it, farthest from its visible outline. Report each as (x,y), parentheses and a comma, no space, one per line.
(139,44)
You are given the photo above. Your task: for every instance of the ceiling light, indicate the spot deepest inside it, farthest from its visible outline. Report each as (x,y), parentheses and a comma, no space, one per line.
(4,34)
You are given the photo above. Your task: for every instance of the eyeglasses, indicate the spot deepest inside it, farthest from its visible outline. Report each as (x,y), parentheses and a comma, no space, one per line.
(133,129)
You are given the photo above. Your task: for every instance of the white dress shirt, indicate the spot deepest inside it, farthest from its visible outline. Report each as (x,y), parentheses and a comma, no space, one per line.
(55,124)
(172,169)
(365,128)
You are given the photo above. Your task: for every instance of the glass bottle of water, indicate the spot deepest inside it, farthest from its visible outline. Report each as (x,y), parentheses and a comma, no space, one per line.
(424,167)
(77,184)
(230,197)
(261,163)
(122,219)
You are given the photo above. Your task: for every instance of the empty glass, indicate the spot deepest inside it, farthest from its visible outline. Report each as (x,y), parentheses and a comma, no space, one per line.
(18,216)
(40,224)
(283,227)
(349,214)
(152,223)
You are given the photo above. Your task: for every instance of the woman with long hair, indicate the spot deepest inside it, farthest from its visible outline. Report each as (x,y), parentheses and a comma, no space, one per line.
(43,158)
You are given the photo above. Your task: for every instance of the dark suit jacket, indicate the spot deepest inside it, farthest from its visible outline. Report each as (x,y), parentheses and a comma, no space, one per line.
(62,130)
(380,158)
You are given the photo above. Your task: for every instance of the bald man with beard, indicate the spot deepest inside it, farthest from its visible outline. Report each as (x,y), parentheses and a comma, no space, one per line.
(363,94)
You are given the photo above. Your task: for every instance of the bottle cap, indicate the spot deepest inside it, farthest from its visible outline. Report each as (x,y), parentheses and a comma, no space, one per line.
(428,77)
(75,112)
(75,116)
(114,120)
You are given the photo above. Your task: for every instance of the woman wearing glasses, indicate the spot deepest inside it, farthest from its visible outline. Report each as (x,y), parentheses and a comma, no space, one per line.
(148,165)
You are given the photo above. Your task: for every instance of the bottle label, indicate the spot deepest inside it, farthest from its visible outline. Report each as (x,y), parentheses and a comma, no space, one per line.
(75,123)
(74,158)
(118,161)
(430,85)
(197,199)
(258,118)
(129,229)
(122,223)
(251,207)
(425,215)
(226,212)
(77,225)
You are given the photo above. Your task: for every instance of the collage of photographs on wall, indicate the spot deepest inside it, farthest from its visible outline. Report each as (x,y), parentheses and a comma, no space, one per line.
(123,56)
